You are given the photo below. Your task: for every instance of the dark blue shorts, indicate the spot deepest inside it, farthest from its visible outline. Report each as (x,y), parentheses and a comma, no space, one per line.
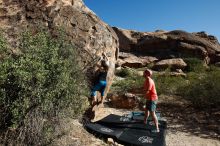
(151,105)
(100,86)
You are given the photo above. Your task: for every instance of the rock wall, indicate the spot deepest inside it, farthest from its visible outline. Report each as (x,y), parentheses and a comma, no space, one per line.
(173,44)
(91,36)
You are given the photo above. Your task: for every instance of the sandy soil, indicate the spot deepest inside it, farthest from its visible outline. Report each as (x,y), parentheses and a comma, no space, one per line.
(186,126)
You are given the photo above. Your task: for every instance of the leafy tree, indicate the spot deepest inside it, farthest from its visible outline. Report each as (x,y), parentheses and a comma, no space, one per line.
(40,85)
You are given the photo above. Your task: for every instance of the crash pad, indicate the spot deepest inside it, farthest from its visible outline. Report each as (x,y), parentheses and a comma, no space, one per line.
(128,131)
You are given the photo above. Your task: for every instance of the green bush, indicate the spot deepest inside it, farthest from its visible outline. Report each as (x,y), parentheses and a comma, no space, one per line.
(165,84)
(194,65)
(40,85)
(201,86)
(169,85)
(203,89)
(124,72)
(130,82)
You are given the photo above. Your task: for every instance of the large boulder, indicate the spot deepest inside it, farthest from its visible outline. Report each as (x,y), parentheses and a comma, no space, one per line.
(91,36)
(124,100)
(173,64)
(172,44)
(133,61)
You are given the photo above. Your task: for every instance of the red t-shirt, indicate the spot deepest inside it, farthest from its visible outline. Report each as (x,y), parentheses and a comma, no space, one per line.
(150,86)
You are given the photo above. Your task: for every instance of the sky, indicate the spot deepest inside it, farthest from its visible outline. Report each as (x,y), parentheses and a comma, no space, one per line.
(151,15)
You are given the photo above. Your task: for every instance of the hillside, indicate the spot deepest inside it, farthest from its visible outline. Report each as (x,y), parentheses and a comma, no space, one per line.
(50,51)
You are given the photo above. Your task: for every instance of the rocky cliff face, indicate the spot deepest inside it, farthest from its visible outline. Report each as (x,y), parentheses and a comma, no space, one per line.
(167,45)
(91,36)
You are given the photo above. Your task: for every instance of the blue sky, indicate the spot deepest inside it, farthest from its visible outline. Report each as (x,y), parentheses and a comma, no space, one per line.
(150,15)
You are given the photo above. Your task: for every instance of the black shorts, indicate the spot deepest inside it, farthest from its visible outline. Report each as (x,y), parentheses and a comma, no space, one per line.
(151,105)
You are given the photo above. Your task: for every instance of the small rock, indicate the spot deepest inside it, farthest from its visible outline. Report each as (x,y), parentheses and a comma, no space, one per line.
(110,141)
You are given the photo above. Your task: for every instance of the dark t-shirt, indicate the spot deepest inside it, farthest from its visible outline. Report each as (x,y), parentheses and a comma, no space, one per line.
(102,75)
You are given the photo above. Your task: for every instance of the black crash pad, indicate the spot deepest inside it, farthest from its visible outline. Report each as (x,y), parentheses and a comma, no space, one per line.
(140,116)
(126,119)
(133,117)
(149,126)
(129,131)
(126,122)
(142,137)
(116,119)
(106,131)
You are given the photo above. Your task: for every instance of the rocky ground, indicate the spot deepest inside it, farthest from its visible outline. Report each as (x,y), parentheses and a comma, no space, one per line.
(186,126)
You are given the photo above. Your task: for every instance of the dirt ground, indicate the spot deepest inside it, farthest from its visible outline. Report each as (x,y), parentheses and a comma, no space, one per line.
(186,126)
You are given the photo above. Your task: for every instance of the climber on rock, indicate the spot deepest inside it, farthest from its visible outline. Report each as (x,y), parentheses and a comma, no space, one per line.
(101,80)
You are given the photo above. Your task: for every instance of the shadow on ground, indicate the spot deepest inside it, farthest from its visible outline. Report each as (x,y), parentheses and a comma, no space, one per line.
(183,117)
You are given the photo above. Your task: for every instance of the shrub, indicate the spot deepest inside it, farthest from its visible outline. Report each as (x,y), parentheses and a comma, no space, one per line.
(169,85)
(194,65)
(201,86)
(124,72)
(40,85)
(129,82)
(203,89)
(165,84)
